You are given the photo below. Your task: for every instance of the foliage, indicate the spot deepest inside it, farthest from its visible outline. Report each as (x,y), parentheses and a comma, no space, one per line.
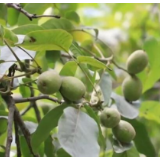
(91,42)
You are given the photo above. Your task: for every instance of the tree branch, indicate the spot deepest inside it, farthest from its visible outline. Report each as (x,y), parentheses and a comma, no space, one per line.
(22,100)
(10,104)
(14,112)
(17,138)
(29,15)
(25,131)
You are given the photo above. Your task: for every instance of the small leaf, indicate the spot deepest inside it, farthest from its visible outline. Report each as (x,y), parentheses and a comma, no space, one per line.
(126,109)
(55,39)
(72,15)
(119,147)
(129,153)
(106,87)
(91,61)
(69,69)
(78,133)
(8,36)
(49,121)
(25,29)
(25,91)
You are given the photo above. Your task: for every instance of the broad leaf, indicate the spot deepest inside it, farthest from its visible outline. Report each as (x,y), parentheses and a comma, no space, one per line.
(126,109)
(49,121)
(72,15)
(78,133)
(152,48)
(55,39)
(150,110)
(58,24)
(142,140)
(26,29)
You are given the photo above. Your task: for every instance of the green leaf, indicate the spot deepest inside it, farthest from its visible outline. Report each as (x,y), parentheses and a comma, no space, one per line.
(78,133)
(48,147)
(25,29)
(55,39)
(106,87)
(126,109)
(3,113)
(8,36)
(58,24)
(3,14)
(91,61)
(24,147)
(92,114)
(129,153)
(49,121)
(62,153)
(25,91)
(69,69)
(142,139)
(150,110)
(34,8)
(72,15)
(152,48)
(3,125)
(12,16)
(52,57)
(2,151)
(3,104)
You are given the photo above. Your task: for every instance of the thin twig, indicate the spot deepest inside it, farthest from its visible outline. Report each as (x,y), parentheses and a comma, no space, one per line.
(33,103)
(17,138)
(18,60)
(25,131)
(29,55)
(26,110)
(22,100)
(29,15)
(119,66)
(11,109)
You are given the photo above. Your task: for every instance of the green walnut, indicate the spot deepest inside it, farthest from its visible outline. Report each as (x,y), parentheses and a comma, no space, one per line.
(137,61)
(110,117)
(3,125)
(124,132)
(72,88)
(132,88)
(49,82)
